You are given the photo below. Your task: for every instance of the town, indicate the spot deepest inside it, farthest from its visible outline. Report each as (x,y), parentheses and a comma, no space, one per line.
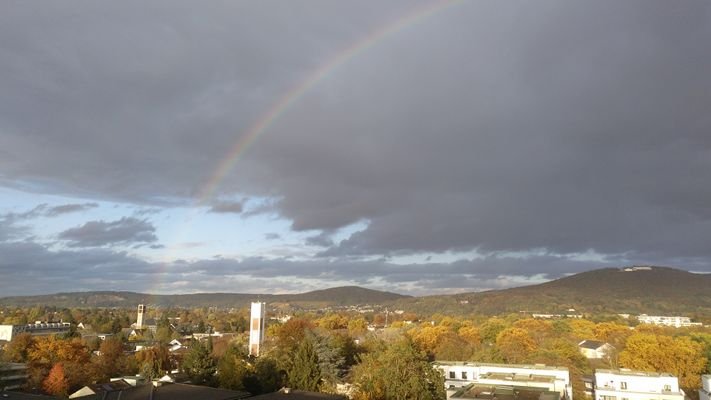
(355,352)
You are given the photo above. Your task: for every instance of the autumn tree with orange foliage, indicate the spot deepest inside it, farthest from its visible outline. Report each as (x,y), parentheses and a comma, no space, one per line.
(56,382)
(50,350)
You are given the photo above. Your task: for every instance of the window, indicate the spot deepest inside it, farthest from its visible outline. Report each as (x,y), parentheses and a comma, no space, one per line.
(608,397)
(464,374)
(623,385)
(667,388)
(451,375)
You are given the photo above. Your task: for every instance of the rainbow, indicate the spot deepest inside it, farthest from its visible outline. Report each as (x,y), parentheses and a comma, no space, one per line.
(288,99)
(285,102)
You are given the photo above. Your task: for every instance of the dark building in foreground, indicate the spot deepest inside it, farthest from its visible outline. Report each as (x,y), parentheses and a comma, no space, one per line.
(165,391)
(291,394)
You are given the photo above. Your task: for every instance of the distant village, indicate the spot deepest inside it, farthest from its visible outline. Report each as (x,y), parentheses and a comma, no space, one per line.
(459,379)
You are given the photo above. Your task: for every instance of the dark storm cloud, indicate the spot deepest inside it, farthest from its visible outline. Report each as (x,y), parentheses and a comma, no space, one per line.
(323,240)
(227,207)
(555,125)
(566,126)
(69,208)
(127,230)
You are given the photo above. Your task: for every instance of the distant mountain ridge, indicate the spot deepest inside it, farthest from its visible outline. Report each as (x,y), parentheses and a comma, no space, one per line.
(651,290)
(339,296)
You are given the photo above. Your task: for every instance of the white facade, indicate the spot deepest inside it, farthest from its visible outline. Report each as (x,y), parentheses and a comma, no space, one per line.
(7,332)
(460,374)
(705,391)
(256,328)
(675,321)
(636,385)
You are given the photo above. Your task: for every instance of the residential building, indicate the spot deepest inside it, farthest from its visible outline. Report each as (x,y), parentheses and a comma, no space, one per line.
(675,321)
(594,349)
(256,328)
(537,377)
(13,375)
(7,332)
(705,391)
(625,384)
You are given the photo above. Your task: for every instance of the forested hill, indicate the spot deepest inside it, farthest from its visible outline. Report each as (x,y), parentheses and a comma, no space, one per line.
(340,296)
(657,290)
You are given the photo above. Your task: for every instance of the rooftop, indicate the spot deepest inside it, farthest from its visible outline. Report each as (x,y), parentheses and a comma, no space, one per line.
(591,344)
(520,366)
(518,377)
(485,392)
(629,372)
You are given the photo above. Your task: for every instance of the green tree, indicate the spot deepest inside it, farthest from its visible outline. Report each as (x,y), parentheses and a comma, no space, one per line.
(266,377)
(198,364)
(232,369)
(304,371)
(153,362)
(399,372)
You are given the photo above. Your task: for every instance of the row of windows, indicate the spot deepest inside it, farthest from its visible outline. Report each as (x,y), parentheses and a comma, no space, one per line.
(623,386)
(452,375)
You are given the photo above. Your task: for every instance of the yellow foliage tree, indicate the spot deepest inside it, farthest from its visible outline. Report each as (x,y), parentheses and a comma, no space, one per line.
(680,356)
(471,335)
(515,344)
(429,337)
(539,330)
(581,329)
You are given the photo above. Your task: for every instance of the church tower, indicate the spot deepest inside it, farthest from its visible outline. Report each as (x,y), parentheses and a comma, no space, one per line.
(140,318)
(256,328)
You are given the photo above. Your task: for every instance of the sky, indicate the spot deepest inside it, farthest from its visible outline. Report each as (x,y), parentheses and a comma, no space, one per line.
(419,147)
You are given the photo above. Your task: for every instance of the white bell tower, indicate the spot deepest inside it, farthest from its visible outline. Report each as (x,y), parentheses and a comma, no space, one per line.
(256,328)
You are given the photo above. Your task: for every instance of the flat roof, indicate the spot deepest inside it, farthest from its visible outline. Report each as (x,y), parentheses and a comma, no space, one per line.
(524,366)
(634,373)
(518,377)
(504,392)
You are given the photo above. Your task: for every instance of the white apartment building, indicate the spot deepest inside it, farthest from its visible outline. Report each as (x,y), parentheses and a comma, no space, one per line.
(7,332)
(625,384)
(705,391)
(675,321)
(460,374)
